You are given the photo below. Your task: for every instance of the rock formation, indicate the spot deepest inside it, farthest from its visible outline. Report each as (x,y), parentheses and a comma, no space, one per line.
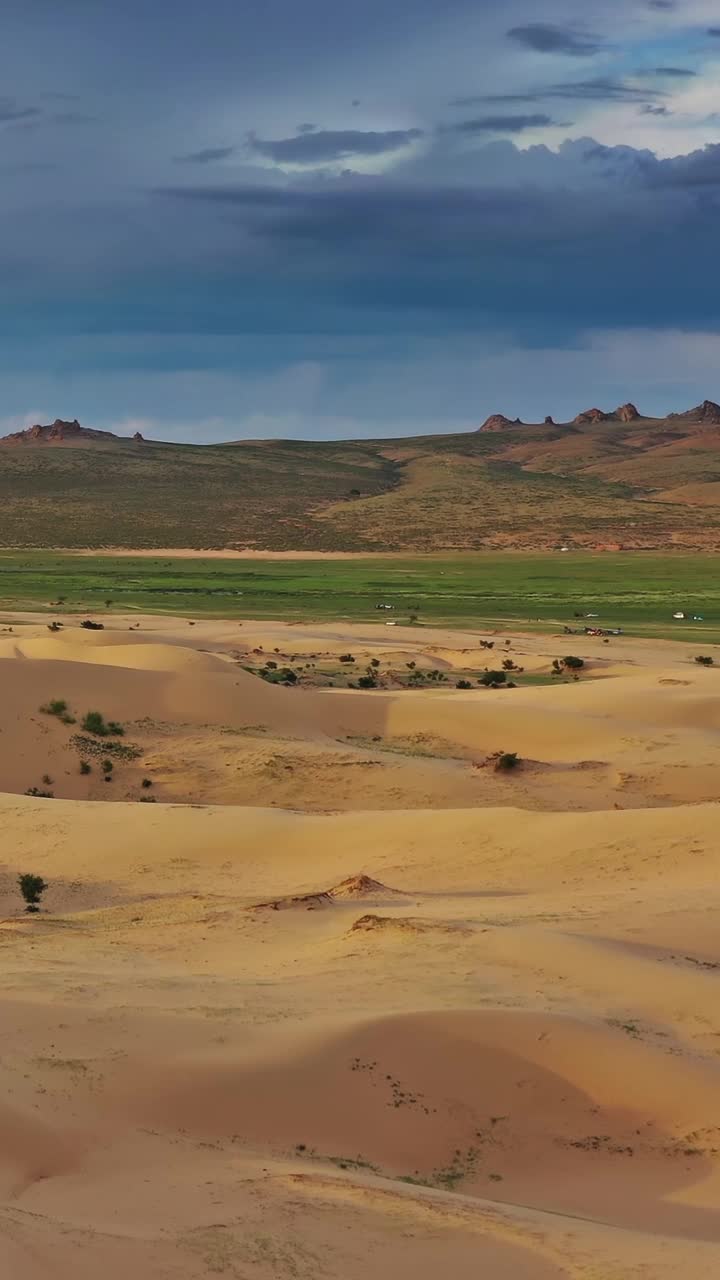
(627,413)
(57,432)
(498,422)
(707,412)
(549,421)
(591,415)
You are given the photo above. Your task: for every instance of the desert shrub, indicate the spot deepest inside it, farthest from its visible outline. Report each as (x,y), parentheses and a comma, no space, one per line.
(572,663)
(58,707)
(463,684)
(508,664)
(107,766)
(32,888)
(506,760)
(47,780)
(94,722)
(146,782)
(93,626)
(346,657)
(85,768)
(367,682)
(39,794)
(144,799)
(54,626)
(491,679)
(270,665)
(375,662)
(288,675)
(705,660)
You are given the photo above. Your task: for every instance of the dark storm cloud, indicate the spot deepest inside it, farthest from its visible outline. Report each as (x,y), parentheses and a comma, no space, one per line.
(207,155)
(500,124)
(677,72)
(697,170)
(713,31)
(323,145)
(649,110)
(598,89)
(546,37)
(10,111)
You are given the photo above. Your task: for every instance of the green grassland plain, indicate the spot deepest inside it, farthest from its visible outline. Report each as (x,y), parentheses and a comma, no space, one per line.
(539,591)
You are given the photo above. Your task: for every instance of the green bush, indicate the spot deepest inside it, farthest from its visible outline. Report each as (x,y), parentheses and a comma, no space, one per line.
(58,707)
(463,684)
(85,768)
(32,888)
(705,660)
(146,782)
(572,663)
(491,679)
(94,722)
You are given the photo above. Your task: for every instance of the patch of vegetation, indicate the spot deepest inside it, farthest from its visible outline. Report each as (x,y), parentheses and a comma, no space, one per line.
(572,663)
(58,707)
(32,888)
(492,679)
(40,794)
(705,660)
(85,767)
(94,722)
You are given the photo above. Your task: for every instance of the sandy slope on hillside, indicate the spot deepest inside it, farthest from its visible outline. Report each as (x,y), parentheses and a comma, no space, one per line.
(364,1013)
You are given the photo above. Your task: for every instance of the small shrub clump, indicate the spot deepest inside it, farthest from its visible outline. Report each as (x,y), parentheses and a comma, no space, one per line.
(85,768)
(58,707)
(32,888)
(492,679)
(704,660)
(463,684)
(94,722)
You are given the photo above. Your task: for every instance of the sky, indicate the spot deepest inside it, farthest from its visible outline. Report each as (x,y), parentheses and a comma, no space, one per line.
(312,218)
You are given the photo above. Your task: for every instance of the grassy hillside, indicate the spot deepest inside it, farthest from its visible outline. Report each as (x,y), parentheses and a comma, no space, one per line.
(645,484)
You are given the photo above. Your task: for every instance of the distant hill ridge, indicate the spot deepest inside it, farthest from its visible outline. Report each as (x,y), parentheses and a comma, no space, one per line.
(604,481)
(707,412)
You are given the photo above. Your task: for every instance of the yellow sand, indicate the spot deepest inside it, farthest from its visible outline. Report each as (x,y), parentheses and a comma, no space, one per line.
(496,1056)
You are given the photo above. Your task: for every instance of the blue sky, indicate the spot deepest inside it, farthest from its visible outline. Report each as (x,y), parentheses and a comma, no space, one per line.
(318,219)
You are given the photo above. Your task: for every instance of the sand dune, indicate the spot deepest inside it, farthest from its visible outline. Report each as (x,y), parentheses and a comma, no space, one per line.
(343,995)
